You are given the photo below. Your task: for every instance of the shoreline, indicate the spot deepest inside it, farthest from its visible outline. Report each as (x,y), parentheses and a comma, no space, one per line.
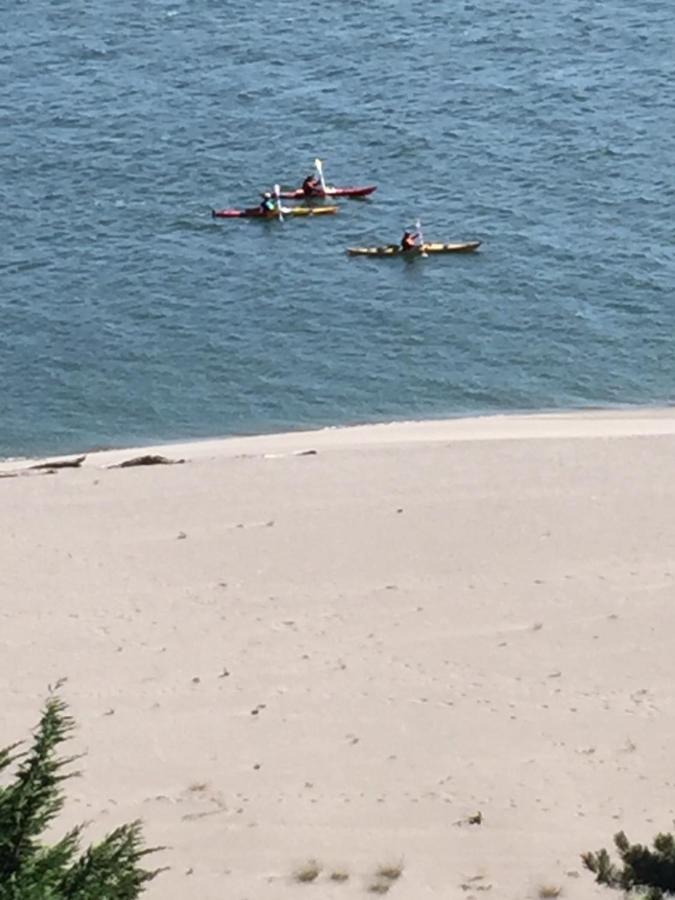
(572,424)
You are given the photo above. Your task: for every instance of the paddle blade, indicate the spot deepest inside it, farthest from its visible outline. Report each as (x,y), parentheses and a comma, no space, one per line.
(420,238)
(319,169)
(277,194)
(418,229)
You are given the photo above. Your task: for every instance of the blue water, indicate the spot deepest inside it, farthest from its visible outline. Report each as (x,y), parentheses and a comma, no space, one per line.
(546,130)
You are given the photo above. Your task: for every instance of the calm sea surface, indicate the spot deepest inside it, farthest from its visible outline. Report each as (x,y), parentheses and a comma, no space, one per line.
(546,130)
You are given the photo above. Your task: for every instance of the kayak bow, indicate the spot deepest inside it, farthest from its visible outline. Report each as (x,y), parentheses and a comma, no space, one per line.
(257,213)
(396,249)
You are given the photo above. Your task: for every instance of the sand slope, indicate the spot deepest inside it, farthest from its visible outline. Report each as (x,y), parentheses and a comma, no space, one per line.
(342,656)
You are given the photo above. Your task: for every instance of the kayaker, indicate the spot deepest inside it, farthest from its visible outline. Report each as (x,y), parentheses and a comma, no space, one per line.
(269,204)
(409,240)
(311,185)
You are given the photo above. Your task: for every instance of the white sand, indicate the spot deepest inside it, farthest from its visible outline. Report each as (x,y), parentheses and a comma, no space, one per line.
(349,653)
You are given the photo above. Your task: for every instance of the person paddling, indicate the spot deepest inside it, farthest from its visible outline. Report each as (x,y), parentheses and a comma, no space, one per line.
(409,241)
(269,204)
(311,186)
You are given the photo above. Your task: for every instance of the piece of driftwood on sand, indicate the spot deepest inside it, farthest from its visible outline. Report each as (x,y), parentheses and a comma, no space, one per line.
(73,463)
(149,459)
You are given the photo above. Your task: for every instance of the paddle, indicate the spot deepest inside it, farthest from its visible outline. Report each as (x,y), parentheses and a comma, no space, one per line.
(418,226)
(319,169)
(277,194)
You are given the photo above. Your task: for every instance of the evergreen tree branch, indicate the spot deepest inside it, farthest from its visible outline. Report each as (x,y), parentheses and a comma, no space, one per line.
(35,798)
(31,870)
(111,868)
(650,873)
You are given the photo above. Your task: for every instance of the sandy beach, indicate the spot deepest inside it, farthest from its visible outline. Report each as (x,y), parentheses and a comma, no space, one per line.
(342,646)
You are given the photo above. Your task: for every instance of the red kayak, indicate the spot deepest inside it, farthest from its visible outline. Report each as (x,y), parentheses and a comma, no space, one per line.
(319,194)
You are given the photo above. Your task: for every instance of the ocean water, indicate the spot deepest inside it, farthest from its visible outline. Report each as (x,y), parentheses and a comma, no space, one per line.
(128,314)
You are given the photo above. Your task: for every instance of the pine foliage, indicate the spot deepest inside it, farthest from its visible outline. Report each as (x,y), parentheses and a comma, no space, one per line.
(650,873)
(29,803)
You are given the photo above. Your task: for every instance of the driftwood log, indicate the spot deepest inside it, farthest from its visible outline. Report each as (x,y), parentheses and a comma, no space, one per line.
(73,463)
(149,459)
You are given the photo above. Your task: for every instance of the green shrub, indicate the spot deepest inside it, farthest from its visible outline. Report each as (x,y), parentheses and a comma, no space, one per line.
(32,870)
(650,873)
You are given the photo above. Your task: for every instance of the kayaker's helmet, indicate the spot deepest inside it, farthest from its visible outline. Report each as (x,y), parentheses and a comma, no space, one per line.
(267,195)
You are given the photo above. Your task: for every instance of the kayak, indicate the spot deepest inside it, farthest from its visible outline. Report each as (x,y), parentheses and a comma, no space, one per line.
(257,213)
(396,249)
(320,194)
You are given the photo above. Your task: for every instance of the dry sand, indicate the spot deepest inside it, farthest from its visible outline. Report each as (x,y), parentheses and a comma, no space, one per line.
(342,656)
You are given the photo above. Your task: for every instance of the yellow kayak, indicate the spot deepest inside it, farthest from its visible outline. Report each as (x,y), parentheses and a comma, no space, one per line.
(397,250)
(257,213)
